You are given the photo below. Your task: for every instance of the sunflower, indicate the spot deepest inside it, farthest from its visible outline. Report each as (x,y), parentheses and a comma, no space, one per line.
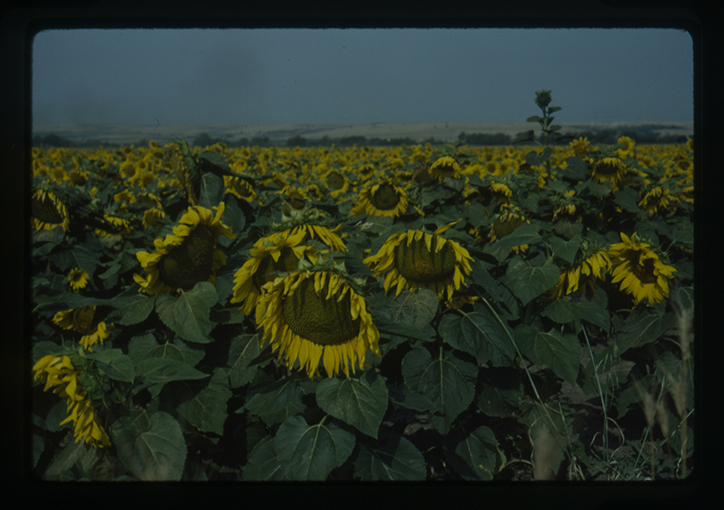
(382,199)
(687,194)
(77,278)
(445,166)
(239,187)
(48,211)
(296,197)
(187,256)
(77,319)
(279,252)
(612,170)
(117,222)
(501,192)
(326,235)
(78,177)
(152,217)
(336,182)
(582,274)
(579,147)
(506,222)
(640,270)
(628,145)
(58,372)
(313,316)
(98,336)
(657,198)
(415,259)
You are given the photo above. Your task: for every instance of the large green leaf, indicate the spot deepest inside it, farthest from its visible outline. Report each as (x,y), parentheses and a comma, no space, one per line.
(311,452)
(275,397)
(158,371)
(263,464)
(576,168)
(480,334)
(566,249)
(642,328)
(398,459)
(475,456)
(414,308)
(528,282)
(628,199)
(207,410)
(188,314)
(561,353)
(358,402)
(527,233)
(212,190)
(134,309)
(567,309)
(447,381)
(242,351)
(74,452)
(501,393)
(410,399)
(153,452)
(114,363)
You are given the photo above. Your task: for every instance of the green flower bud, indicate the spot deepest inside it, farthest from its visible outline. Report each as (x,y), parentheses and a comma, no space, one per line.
(543,98)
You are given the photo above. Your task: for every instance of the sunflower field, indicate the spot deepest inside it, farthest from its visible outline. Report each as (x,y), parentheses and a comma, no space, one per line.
(408,313)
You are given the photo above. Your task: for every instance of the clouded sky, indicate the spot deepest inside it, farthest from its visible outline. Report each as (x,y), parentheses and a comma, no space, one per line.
(359,75)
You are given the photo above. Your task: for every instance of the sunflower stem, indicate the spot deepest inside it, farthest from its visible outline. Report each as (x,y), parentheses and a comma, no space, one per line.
(600,394)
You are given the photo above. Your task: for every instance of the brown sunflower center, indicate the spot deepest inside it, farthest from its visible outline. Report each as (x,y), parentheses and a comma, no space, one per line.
(186,265)
(335,180)
(608,169)
(45,210)
(320,320)
(420,265)
(385,198)
(644,272)
(268,268)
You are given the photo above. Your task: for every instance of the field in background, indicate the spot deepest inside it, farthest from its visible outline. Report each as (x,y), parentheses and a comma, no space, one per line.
(279,133)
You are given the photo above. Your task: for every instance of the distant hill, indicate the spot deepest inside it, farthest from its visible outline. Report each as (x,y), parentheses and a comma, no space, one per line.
(279,134)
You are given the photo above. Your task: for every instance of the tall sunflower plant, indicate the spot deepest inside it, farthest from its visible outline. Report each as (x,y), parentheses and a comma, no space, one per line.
(357,320)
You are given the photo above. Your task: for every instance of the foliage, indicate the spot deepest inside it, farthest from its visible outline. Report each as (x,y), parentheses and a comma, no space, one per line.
(538,365)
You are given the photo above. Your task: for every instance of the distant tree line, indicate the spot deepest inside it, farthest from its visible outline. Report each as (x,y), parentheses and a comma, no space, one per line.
(642,135)
(604,136)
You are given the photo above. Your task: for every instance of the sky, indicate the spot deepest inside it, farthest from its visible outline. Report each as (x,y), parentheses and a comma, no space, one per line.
(242,76)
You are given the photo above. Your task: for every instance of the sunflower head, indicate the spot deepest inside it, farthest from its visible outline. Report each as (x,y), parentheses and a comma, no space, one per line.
(77,278)
(188,255)
(641,269)
(48,211)
(592,263)
(315,224)
(270,256)
(509,218)
(381,199)
(316,315)
(609,169)
(657,198)
(445,166)
(415,259)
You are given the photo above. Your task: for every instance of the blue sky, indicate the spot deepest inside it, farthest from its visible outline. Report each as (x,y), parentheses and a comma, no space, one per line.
(359,75)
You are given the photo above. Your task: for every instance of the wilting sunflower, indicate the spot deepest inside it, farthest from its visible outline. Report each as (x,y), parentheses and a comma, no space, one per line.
(77,319)
(153,217)
(579,147)
(296,197)
(501,192)
(277,253)
(187,256)
(687,194)
(313,230)
(627,149)
(77,278)
(58,372)
(509,218)
(336,183)
(310,316)
(48,211)
(116,222)
(239,187)
(612,170)
(382,199)
(445,166)
(657,198)
(416,259)
(640,270)
(583,273)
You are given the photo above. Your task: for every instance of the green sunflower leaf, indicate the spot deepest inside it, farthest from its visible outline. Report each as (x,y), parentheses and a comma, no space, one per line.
(188,314)
(528,282)
(409,399)
(566,249)
(242,351)
(156,452)
(133,309)
(398,459)
(476,456)
(527,233)
(567,309)
(311,452)
(114,363)
(358,402)
(560,353)
(480,334)
(447,381)
(576,169)
(501,393)
(158,371)
(642,328)
(275,397)
(628,198)
(263,464)
(207,410)
(212,190)
(414,308)
(70,455)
